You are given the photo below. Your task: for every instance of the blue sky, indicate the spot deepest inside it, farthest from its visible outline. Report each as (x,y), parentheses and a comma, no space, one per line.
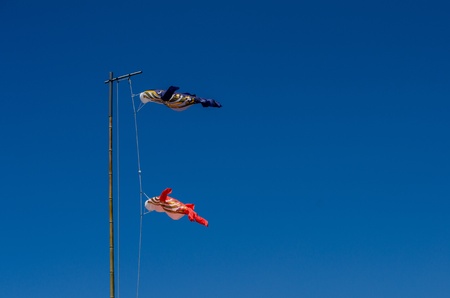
(325,174)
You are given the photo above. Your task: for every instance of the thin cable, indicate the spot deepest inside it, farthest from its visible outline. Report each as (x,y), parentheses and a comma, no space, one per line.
(140,189)
(118,189)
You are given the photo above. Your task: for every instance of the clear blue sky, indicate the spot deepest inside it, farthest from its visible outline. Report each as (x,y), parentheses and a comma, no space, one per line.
(325,174)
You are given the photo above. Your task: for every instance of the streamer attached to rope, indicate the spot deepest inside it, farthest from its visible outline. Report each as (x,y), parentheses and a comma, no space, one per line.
(174,208)
(163,203)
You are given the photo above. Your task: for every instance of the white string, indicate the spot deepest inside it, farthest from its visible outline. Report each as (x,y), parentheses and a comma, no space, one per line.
(118,189)
(141,202)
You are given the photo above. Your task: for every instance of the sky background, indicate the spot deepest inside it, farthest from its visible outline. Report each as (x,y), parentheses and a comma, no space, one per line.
(325,173)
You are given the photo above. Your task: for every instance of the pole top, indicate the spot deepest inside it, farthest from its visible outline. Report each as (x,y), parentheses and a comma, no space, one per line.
(122,77)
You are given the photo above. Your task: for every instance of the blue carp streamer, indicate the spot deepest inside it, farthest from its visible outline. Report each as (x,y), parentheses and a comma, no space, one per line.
(175,100)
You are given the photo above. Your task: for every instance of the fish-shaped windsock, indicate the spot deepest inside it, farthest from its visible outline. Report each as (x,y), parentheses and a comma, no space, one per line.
(174,208)
(174,100)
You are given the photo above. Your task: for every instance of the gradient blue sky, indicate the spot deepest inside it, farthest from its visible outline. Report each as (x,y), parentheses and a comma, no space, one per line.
(325,174)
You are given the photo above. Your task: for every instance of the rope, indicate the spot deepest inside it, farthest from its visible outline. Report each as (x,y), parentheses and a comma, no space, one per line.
(141,202)
(118,190)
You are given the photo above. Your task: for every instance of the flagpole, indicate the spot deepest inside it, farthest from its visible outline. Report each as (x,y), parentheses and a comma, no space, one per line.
(110,82)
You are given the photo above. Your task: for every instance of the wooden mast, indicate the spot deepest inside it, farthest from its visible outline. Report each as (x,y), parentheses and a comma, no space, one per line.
(110,153)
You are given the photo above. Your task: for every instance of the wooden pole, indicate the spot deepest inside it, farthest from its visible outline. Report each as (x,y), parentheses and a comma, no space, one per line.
(111,214)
